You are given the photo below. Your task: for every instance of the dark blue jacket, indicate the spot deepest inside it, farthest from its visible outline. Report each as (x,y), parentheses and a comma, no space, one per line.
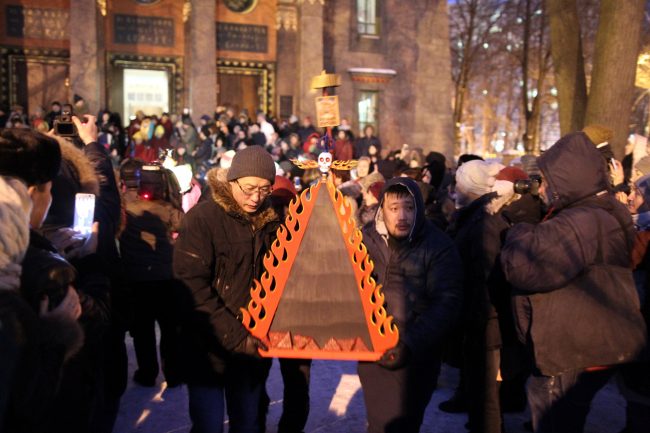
(420,276)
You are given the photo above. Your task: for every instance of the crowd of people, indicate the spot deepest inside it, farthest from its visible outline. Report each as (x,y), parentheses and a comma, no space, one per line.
(530,277)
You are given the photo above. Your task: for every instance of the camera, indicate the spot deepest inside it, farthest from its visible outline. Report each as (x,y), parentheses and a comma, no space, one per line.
(159,183)
(528,186)
(152,182)
(63,126)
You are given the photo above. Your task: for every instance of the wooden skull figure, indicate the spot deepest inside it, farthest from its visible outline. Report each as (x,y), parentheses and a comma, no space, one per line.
(324,162)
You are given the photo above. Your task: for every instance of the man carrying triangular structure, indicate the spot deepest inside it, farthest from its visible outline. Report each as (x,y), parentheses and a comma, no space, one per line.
(419,269)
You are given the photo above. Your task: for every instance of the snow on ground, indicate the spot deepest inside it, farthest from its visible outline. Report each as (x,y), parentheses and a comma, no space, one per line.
(336,405)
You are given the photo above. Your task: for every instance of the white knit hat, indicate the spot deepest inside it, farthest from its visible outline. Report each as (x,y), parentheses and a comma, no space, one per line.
(477,177)
(15,209)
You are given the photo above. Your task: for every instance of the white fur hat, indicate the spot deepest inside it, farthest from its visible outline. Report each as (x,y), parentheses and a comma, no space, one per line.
(15,209)
(477,177)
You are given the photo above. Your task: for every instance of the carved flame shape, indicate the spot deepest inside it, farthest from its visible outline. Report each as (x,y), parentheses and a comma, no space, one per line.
(266,293)
(344,165)
(336,165)
(305,165)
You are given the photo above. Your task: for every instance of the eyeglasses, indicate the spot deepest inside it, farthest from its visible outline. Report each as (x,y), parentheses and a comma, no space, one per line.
(248,190)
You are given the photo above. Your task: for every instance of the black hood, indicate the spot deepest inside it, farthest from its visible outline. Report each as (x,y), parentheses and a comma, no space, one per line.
(573,169)
(414,189)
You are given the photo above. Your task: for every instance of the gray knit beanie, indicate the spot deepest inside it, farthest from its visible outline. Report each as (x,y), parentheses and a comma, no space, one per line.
(252,161)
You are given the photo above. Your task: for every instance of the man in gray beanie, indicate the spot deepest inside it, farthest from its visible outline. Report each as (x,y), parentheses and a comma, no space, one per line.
(217,255)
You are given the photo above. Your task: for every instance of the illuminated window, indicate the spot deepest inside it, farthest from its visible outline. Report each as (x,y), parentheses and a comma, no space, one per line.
(368,109)
(145,90)
(367,23)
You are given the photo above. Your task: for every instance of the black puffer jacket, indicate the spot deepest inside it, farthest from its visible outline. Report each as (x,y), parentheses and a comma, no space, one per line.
(420,277)
(217,255)
(590,232)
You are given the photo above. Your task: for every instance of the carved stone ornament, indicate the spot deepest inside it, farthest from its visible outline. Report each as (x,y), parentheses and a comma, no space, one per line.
(241,6)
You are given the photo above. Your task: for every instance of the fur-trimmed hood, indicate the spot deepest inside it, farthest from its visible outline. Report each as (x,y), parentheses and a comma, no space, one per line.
(87,176)
(222,195)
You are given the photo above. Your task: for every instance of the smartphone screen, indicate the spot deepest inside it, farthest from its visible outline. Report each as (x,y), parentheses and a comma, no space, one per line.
(84,212)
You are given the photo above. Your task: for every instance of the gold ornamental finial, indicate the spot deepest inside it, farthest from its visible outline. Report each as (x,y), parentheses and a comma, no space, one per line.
(325,80)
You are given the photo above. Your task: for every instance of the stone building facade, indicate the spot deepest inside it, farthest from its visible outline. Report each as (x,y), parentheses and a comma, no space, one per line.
(170,55)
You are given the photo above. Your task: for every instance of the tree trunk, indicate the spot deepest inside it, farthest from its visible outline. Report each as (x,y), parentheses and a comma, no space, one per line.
(459,103)
(568,62)
(614,67)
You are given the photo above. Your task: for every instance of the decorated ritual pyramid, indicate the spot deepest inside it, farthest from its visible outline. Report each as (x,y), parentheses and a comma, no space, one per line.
(316,297)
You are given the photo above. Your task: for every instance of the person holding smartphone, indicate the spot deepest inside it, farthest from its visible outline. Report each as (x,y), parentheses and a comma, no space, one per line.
(48,329)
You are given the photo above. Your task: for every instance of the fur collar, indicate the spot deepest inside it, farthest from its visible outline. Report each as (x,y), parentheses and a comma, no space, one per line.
(499,202)
(505,195)
(88,177)
(222,195)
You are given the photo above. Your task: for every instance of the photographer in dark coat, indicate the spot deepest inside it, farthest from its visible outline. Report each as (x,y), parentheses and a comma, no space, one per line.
(146,245)
(82,395)
(37,335)
(420,273)
(576,307)
(39,321)
(217,255)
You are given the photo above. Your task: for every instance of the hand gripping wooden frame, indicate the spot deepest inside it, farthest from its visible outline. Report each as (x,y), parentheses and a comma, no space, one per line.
(281,267)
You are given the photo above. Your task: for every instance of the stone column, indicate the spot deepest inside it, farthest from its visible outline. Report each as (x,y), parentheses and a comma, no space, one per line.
(202,67)
(434,127)
(86,78)
(287,59)
(310,55)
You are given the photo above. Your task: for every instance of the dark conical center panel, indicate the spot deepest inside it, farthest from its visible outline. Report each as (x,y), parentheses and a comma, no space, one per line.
(321,297)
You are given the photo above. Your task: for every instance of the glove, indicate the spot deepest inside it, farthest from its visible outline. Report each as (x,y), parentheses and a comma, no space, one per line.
(250,346)
(395,358)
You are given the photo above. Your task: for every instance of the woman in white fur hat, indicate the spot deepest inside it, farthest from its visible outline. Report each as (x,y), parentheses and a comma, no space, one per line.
(34,344)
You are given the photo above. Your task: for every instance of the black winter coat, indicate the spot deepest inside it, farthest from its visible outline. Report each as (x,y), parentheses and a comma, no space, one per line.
(477,236)
(217,255)
(33,351)
(82,377)
(146,242)
(590,229)
(420,276)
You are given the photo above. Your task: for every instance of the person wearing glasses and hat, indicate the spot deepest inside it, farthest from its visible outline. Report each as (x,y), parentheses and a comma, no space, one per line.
(217,255)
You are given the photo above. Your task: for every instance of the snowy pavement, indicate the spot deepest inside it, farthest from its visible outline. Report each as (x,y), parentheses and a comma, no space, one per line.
(336,405)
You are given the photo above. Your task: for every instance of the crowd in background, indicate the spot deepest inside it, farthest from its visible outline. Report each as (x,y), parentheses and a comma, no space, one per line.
(105,288)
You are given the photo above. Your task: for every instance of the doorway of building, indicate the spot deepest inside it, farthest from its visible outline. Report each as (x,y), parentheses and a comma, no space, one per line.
(246,85)
(35,80)
(148,83)
(240,91)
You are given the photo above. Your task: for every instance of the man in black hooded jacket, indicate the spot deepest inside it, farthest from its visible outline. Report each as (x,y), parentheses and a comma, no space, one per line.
(575,304)
(420,271)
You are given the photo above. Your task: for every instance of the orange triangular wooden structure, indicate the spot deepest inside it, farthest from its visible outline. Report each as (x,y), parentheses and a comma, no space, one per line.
(316,298)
